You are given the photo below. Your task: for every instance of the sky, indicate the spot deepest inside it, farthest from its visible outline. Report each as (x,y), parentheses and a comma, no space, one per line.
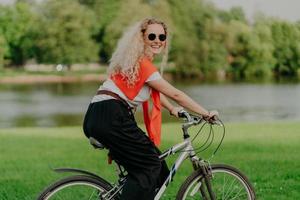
(285,9)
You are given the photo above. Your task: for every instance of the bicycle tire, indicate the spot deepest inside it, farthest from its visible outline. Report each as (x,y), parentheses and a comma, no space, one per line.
(217,170)
(80,185)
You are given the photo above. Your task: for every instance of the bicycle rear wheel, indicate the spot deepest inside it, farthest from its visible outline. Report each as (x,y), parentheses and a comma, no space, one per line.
(227,183)
(75,188)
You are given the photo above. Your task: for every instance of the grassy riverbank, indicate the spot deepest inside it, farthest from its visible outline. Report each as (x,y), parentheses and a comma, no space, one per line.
(22,76)
(267,152)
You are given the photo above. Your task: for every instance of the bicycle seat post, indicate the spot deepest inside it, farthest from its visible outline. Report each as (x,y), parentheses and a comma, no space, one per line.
(119,170)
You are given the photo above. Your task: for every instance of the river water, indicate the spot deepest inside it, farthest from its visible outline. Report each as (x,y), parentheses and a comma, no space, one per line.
(65,104)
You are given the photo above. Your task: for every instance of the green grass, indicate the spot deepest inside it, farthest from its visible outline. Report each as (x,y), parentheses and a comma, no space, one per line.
(268,153)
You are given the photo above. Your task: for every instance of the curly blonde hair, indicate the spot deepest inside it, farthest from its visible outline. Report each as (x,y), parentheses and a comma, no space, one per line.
(131,48)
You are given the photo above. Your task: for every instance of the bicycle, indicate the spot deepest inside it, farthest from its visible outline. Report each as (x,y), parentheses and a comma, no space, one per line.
(216,181)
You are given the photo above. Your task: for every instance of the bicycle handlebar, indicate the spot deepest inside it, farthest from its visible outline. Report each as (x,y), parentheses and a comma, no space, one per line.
(184,114)
(195,120)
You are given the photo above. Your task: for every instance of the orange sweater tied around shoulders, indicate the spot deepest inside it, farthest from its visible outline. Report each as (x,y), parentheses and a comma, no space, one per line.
(152,120)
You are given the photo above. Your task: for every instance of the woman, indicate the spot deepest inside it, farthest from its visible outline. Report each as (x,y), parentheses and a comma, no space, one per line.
(132,80)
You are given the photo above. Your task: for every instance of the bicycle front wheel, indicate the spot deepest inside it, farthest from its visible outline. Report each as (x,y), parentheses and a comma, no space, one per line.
(75,188)
(227,183)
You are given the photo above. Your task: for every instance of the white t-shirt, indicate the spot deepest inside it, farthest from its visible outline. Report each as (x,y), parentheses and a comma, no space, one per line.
(142,96)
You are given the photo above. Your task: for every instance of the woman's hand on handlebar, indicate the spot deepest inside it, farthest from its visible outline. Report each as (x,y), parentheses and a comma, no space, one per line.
(175,110)
(212,116)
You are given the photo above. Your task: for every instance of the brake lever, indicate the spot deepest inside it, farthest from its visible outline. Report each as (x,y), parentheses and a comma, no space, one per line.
(215,122)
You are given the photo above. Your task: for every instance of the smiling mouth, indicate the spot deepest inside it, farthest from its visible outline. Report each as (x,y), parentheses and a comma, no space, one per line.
(155,46)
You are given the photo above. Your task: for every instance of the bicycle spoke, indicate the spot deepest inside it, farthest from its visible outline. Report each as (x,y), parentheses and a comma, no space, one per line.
(92,195)
(75,188)
(238,195)
(196,188)
(229,189)
(60,198)
(233,191)
(226,184)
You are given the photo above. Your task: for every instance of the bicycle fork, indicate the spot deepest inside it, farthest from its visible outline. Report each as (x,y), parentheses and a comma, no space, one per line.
(206,180)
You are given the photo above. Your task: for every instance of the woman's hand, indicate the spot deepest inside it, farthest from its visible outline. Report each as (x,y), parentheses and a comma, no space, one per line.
(174,111)
(212,116)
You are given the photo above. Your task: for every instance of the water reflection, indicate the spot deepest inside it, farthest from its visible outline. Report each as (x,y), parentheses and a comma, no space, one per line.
(65,104)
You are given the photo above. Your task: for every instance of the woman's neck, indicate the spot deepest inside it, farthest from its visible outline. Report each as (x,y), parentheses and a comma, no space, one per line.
(151,59)
(149,54)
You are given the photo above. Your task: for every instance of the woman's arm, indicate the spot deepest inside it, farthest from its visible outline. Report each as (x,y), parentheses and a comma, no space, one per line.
(167,105)
(179,97)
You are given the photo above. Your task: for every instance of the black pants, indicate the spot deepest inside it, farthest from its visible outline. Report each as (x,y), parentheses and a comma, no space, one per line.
(114,125)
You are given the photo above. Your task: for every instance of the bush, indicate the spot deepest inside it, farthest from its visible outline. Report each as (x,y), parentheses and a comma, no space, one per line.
(67,33)
(2,49)
(15,24)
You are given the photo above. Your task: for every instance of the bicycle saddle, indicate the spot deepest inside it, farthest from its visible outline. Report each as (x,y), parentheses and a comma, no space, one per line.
(95,143)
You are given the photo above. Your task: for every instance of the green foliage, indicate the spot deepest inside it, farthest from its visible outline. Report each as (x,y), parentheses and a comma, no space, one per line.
(15,24)
(105,11)
(189,20)
(286,40)
(263,60)
(2,51)
(205,41)
(250,51)
(213,51)
(67,33)
(235,13)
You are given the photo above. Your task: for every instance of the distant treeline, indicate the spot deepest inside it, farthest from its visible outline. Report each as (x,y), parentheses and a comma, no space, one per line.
(205,41)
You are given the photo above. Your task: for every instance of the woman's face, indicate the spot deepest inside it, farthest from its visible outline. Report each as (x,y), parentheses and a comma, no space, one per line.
(155,38)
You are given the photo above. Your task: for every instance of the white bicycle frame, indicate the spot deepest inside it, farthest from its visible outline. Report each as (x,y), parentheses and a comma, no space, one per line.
(187,151)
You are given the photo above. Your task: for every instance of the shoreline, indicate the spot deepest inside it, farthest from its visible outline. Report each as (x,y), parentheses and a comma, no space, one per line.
(101,77)
(30,79)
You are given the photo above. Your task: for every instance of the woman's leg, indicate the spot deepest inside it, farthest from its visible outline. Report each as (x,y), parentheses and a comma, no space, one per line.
(113,125)
(130,147)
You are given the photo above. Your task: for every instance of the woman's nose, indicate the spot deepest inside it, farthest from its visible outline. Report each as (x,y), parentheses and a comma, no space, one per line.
(157,41)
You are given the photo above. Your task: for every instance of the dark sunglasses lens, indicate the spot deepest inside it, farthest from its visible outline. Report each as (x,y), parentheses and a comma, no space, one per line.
(151,36)
(162,37)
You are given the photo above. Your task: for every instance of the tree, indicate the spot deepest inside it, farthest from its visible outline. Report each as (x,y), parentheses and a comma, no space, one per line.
(235,13)
(262,50)
(15,24)
(250,51)
(106,12)
(67,33)
(214,54)
(188,35)
(286,40)
(2,51)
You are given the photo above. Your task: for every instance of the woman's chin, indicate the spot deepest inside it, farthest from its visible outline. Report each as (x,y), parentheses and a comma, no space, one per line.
(156,51)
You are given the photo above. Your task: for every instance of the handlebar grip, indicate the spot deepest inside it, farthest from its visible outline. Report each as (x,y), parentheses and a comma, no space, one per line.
(182,114)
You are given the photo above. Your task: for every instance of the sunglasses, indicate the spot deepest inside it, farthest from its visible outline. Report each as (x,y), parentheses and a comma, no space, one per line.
(161,37)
